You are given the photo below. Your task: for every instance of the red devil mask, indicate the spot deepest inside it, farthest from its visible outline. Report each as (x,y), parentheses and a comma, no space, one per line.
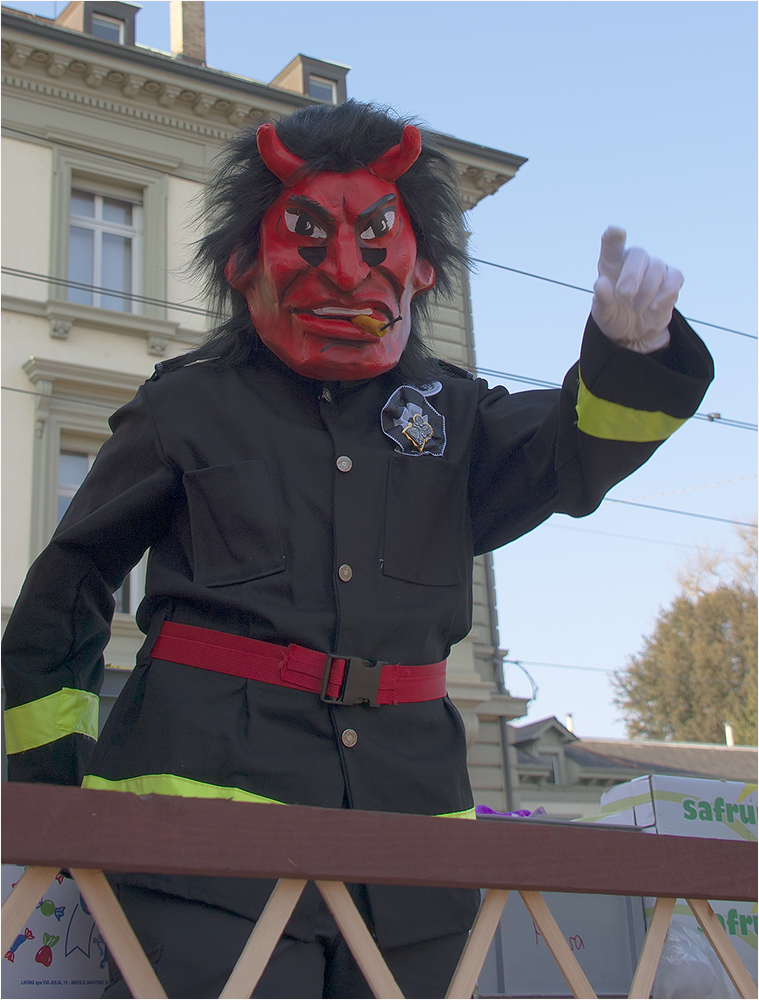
(331,288)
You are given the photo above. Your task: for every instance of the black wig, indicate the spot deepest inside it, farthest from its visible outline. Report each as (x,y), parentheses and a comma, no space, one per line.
(342,138)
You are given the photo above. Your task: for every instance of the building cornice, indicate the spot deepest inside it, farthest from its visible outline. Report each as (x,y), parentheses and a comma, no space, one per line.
(52,35)
(62,316)
(58,64)
(96,381)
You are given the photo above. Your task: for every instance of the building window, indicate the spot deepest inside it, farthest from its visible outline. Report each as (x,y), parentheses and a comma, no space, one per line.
(95,198)
(103,251)
(554,774)
(322,89)
(110,29)
(73,466)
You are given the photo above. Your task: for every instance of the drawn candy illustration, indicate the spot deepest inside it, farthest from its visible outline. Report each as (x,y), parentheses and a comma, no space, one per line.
(48,909)
(45,955)
(26,936)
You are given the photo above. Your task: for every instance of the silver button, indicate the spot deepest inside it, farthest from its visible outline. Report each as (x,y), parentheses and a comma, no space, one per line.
(326,395)
(349,738)
(345,572)
(344,464)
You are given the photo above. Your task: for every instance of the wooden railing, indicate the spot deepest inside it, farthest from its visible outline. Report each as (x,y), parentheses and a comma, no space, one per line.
(87,832)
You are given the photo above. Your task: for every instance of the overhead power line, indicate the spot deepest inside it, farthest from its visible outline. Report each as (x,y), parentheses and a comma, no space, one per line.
(581,288)
(712,418)
(111,292)
(640,538)
(199,311)
(702,486)
(630,503)
(475,260)
(684,513)
(563,666)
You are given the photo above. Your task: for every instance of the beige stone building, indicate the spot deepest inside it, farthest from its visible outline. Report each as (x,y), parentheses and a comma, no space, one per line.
(566,775)
(106,145)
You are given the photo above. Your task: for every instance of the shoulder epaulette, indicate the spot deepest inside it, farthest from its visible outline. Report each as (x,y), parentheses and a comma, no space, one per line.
(170,364)
(454,369)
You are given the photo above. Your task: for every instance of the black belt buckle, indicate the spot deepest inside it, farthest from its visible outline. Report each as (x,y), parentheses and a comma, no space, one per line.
(361,681)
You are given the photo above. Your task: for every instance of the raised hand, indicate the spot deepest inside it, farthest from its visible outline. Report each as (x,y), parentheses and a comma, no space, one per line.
(634,295)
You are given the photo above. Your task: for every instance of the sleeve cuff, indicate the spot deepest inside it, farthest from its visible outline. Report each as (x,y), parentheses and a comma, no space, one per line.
(671,381)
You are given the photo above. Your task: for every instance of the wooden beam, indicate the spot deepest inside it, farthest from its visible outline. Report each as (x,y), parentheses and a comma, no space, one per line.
(474,954)
(262,942)
(118,934)
(359,940)
(726,953)
(645,971)
(22,900)
(557,945)
(49,825)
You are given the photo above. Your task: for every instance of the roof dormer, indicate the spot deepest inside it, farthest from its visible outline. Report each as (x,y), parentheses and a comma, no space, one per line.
(109,21)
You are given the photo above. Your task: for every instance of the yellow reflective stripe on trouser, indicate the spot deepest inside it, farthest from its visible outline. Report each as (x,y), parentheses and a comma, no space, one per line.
(172,784)
(601,419)
(48,719)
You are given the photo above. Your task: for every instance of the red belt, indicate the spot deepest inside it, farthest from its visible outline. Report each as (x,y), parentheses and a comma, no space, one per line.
(339,680)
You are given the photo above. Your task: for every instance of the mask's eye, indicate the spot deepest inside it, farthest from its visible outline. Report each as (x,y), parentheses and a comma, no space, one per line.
(379,225)
(303,224)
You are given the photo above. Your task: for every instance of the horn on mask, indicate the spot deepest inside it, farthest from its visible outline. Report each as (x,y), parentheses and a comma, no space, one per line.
(277,157)
(398,159)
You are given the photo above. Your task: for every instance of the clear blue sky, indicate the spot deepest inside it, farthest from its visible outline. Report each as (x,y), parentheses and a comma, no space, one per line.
(638,114)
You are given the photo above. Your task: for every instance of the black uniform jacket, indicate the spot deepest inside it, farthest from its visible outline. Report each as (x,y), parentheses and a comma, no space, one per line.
(231,478)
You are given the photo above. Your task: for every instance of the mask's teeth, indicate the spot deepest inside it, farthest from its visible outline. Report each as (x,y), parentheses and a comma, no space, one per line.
(370,325)
(338,311)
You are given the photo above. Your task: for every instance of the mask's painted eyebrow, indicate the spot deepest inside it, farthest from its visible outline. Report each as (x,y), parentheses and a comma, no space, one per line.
(313,206)
(373,208)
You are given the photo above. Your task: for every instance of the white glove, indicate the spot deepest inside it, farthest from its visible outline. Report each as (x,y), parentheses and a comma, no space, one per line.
(634,295)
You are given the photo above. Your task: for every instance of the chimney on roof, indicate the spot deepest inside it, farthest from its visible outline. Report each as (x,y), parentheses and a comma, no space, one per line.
(729,738)
(570,723)
(188,30)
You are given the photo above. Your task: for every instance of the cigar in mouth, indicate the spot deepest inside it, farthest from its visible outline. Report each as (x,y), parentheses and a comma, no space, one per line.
(370,325)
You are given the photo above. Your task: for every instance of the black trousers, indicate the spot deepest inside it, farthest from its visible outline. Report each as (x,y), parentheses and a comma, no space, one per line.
(193,948)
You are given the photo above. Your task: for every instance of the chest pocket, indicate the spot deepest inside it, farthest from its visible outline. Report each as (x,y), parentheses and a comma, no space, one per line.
(233,520)
(427,530)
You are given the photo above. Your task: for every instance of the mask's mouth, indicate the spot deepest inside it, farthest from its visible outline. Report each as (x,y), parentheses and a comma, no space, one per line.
(367,323)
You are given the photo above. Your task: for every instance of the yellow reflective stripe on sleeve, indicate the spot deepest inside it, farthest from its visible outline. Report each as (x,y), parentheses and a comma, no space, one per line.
(48,719)
(464,814)
(613,422)
(172,784)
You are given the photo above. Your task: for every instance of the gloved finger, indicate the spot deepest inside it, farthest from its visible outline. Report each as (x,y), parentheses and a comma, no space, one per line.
(603,290)
(612,253)
(633,270)
(665,299)
(670,286)
(653,276)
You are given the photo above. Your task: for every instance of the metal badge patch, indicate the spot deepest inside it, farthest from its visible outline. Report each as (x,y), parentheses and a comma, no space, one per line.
(413,423)
(416,429)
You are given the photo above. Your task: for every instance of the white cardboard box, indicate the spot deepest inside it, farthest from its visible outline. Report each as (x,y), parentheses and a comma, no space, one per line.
(693,807)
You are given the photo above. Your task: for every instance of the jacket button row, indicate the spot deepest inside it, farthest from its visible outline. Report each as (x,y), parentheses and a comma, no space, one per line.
(349,738)
(344,464)
(345,572)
